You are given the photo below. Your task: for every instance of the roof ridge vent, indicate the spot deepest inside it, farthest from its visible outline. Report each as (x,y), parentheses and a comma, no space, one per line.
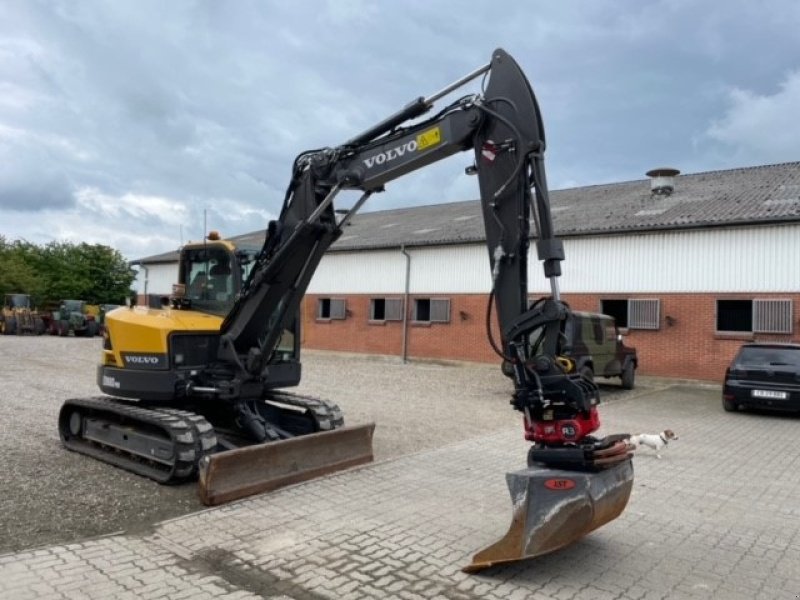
(662,180)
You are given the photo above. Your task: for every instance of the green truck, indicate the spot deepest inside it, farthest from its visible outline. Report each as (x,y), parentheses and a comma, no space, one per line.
(73,316)
(594,343)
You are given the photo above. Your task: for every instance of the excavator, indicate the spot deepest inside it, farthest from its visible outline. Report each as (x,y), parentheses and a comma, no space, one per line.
(197,387)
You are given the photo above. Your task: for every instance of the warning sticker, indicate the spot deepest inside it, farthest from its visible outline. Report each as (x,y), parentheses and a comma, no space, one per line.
(429,138)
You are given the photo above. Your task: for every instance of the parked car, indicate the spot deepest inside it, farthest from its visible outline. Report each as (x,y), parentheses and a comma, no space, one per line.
(593,341)
(763,375)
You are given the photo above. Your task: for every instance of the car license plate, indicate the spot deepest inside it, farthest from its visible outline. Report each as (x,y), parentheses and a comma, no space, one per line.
(770,394)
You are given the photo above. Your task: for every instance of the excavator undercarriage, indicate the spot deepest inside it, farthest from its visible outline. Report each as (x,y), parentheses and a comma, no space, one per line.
(172,446)
(164,445)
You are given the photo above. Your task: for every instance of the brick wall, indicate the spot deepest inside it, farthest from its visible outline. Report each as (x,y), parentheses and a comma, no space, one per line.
(463,338)
(688,348)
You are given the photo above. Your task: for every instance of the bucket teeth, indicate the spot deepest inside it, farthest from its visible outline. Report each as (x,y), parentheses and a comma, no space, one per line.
(553,508)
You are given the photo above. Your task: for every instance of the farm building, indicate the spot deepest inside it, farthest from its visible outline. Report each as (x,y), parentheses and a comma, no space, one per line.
(691,266)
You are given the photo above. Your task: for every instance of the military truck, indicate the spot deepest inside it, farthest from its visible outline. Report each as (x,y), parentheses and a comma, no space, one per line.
(593,342)
(101,316)
(73,316)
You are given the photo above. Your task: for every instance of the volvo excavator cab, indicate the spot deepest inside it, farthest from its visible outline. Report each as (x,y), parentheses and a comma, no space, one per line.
(210,275)
(223,342)
(210,278)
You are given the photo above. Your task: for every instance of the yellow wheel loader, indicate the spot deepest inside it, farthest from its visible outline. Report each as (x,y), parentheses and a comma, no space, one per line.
(199,386)
(18,316)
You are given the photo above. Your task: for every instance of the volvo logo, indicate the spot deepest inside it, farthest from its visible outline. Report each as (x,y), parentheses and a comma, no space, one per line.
(142,360)
(145,361)
(391,154)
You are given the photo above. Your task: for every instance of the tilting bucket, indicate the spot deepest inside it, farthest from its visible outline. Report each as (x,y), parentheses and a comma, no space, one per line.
(554,508)
(242,472)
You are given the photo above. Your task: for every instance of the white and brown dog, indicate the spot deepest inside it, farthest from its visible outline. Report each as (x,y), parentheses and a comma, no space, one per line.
(655,441)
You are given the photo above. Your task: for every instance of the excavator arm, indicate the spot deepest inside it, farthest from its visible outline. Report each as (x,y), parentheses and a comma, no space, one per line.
(574,482)
(503,127)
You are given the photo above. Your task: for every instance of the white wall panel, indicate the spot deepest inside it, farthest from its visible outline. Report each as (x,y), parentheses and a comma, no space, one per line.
(359,273)
(159,278)
(753,259)
(449,269)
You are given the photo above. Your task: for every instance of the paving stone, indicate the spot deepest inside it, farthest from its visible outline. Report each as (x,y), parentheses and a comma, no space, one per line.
(705,521)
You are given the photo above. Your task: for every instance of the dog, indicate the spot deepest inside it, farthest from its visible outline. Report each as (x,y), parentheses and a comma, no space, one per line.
(655,441)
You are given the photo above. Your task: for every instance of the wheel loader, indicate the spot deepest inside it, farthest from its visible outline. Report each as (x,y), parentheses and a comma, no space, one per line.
(198,388)
(18,316)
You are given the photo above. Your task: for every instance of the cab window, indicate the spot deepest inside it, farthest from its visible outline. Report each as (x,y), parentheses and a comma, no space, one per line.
(209,280)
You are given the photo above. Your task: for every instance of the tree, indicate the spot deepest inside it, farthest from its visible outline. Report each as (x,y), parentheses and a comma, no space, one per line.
(109,275)
(18,272)
(62,270)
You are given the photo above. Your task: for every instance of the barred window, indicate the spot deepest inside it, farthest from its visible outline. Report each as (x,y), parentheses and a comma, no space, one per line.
(633,313)
(756,316)
(432,310)
(331,308)
(772,316)
(644,313)
(386,309)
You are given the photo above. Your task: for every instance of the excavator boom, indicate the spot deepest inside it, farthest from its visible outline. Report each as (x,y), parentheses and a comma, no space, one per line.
(503,128)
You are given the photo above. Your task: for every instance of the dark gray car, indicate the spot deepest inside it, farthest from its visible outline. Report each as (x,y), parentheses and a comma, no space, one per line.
(763,375)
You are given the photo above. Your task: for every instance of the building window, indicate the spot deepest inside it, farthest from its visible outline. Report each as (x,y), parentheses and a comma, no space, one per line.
(772,316)
(633,313)
(386,309)
(617,309)
(331,308)
(754,316)
(432,310)
(735,315)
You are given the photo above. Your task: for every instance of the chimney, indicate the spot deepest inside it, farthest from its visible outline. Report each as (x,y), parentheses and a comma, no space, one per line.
(662,180)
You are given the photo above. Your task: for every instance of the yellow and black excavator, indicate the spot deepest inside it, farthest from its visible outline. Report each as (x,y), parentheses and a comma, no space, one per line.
(198,386)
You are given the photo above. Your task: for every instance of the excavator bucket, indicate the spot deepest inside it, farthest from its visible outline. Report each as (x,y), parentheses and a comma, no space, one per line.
(242,472)
(554,508)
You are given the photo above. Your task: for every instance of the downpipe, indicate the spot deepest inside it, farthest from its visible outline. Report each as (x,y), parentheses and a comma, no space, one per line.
(405,301)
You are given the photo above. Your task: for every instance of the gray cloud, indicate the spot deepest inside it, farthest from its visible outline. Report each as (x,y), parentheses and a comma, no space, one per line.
(761,127)
(31,179)
(203,105)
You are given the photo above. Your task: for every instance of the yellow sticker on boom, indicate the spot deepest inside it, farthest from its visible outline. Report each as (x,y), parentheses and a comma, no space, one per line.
(429,138)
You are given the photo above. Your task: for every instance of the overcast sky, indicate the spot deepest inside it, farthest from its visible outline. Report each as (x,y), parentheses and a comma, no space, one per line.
(121,122)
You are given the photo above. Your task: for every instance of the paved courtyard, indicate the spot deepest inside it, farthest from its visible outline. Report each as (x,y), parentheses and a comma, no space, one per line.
(717,517)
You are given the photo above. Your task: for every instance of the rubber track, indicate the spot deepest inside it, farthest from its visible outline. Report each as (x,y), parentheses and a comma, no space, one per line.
(327,414)
(176,429)
(205,436)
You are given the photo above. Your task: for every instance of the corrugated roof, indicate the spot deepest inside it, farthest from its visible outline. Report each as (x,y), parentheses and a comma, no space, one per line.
(763,194)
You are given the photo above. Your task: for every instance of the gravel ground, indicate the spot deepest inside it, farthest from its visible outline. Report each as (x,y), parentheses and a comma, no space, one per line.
(53,496)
